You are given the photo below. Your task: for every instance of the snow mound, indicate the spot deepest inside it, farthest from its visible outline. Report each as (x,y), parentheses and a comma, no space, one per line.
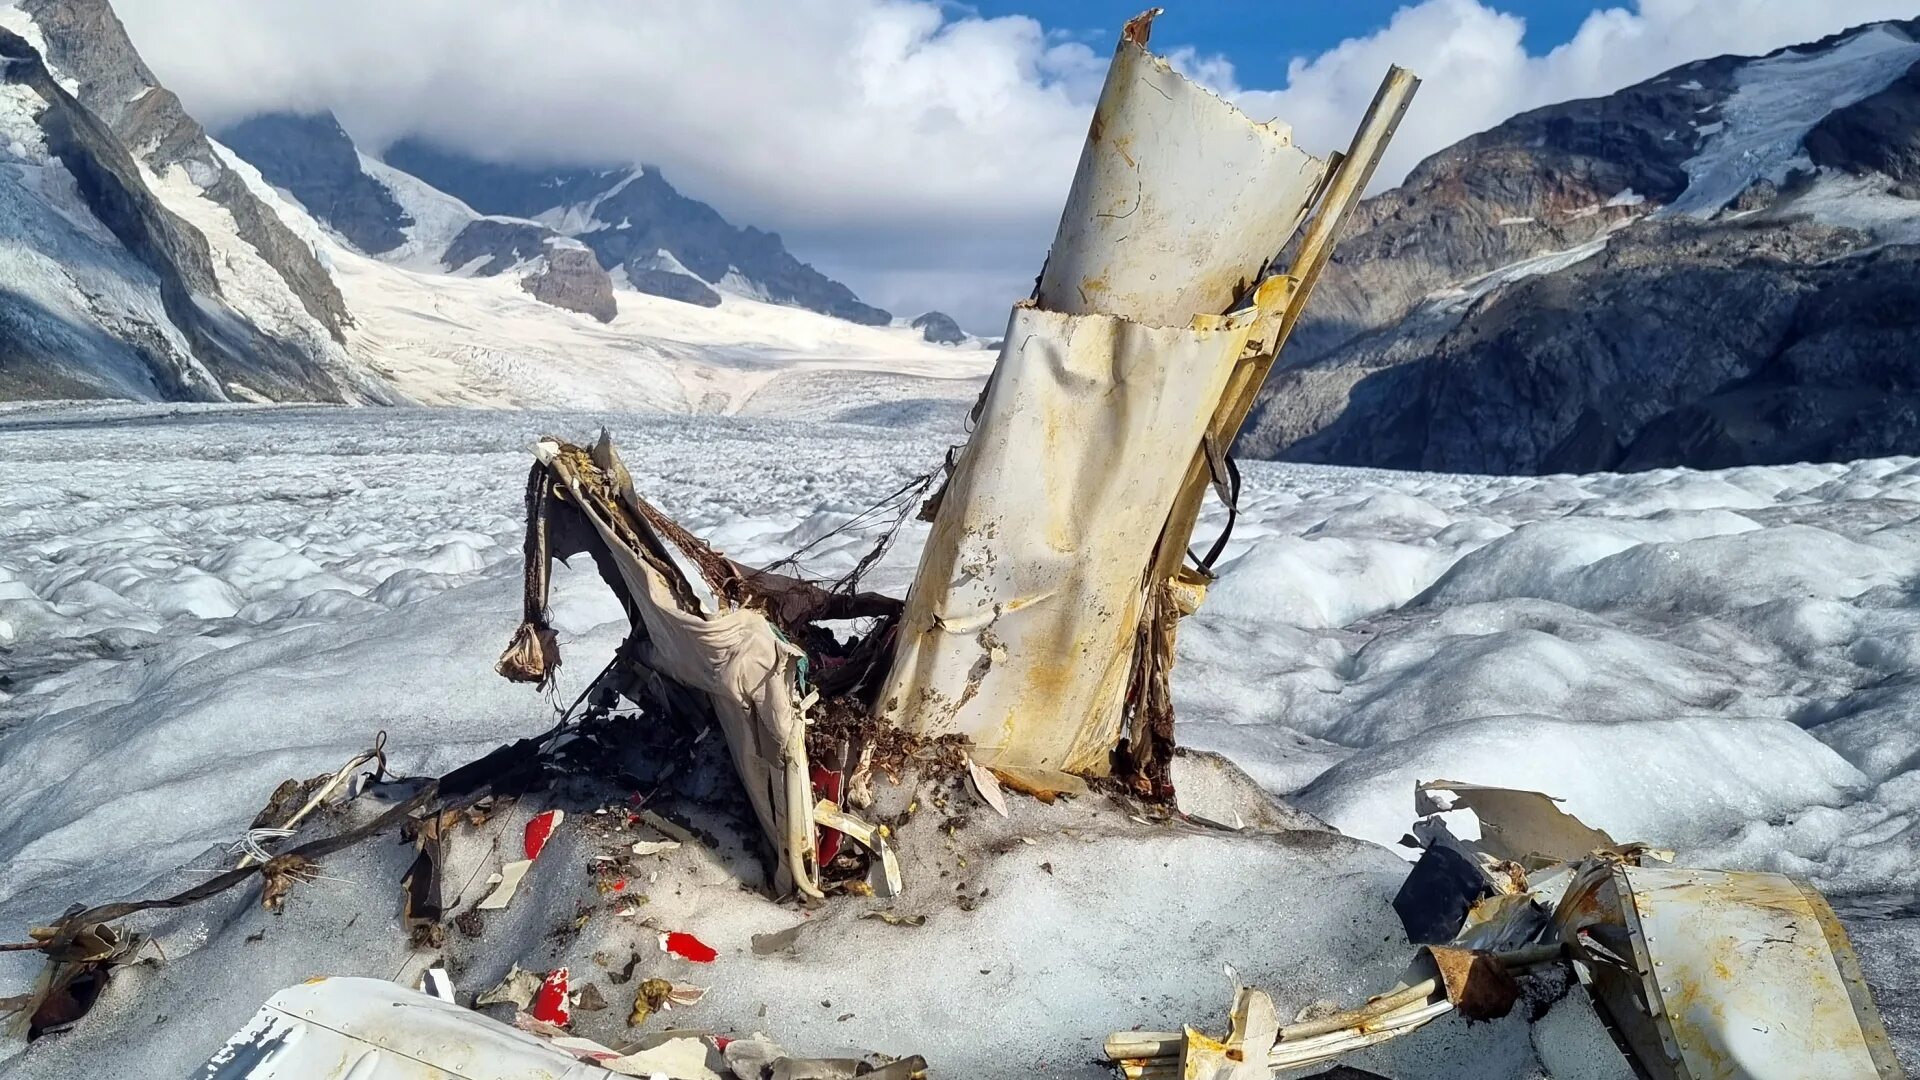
(198,603)
(1685,781)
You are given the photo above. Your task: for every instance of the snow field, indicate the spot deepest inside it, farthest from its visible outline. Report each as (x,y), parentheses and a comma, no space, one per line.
(200,602)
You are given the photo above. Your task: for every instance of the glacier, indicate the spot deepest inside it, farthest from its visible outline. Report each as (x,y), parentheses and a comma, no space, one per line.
(200,601)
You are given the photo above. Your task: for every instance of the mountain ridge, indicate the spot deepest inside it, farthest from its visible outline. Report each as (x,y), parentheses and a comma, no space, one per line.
(627,215)
(1469,283)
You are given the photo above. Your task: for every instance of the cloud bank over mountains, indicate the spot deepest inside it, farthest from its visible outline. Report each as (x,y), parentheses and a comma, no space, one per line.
(913,150)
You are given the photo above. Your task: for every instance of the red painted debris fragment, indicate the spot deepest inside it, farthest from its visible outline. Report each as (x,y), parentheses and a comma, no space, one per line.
(827,785)
(550,1004)
(688,947)
(620,885)
(720,1043)
(540,830)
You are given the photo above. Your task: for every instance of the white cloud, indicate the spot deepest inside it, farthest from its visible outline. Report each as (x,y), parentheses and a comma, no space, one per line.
(1476,72)
(900,144)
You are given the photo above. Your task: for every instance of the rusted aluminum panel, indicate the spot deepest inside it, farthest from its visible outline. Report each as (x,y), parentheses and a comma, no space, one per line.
(1736,976)
(1019,629)
(1179,200)
(369,1029)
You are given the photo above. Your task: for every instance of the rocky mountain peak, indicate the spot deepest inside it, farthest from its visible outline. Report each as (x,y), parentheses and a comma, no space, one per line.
(312,156)
(939,328)
(85,41)
(635,221)
(1617,282)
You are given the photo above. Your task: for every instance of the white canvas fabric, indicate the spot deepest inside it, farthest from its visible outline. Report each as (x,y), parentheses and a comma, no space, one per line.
(734,656)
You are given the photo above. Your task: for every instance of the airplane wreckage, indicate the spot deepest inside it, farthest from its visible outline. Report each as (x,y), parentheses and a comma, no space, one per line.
(1030,657)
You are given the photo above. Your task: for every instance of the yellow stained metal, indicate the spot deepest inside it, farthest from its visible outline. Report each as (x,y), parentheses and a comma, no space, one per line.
(1737,976)
(1019,628)
(1178,202)
(1282,299)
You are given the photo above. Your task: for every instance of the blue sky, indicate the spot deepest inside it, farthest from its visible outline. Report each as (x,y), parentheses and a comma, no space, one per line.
(1262,36)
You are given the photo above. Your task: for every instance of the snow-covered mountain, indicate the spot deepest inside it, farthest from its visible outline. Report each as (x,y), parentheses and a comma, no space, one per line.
(638,224)
(141,258)
(139,261)
(1717,266)
(383,212)
(641,232)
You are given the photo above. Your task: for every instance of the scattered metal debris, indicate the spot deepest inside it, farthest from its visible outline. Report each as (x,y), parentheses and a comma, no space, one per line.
(505,884)
(887,882)
(687,947)
(436,983)
(777,942)
(517,989)
(541,829)
(1700,973)
(987,787)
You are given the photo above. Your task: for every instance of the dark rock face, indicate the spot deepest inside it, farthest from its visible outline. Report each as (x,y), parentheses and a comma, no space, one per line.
(86,39)
(939,328)
(310,156)
(574,280)
(1755,338)
(674,286)
(1538,183)
(1878,134)
(1682,343)
(648,216)
(522,191)
(504,244)
(568,276)
(632,219)
(232,350)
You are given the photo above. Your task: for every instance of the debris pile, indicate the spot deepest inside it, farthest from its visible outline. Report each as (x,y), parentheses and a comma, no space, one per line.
(1697,973)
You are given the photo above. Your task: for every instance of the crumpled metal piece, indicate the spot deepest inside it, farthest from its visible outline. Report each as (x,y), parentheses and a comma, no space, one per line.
(517,989)
(1244,1053)
(1477,984)
(1524,827)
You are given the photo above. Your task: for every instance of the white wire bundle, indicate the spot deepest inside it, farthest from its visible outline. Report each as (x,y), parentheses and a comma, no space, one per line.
(251,843)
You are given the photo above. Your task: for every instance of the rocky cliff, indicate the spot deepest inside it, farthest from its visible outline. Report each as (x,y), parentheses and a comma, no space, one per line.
(313,159)
(1632,281)
(109,290)
(634,220)
(84,40)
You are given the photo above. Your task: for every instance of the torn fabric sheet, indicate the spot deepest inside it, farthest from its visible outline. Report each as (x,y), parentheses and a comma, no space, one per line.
(729,653)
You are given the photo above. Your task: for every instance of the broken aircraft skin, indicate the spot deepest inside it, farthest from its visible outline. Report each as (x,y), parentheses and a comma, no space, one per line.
(368,1029)
(1698,974)
(1039,628)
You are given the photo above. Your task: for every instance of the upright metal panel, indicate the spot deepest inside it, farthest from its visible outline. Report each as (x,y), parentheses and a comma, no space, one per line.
(1019,629)
(1179,200)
